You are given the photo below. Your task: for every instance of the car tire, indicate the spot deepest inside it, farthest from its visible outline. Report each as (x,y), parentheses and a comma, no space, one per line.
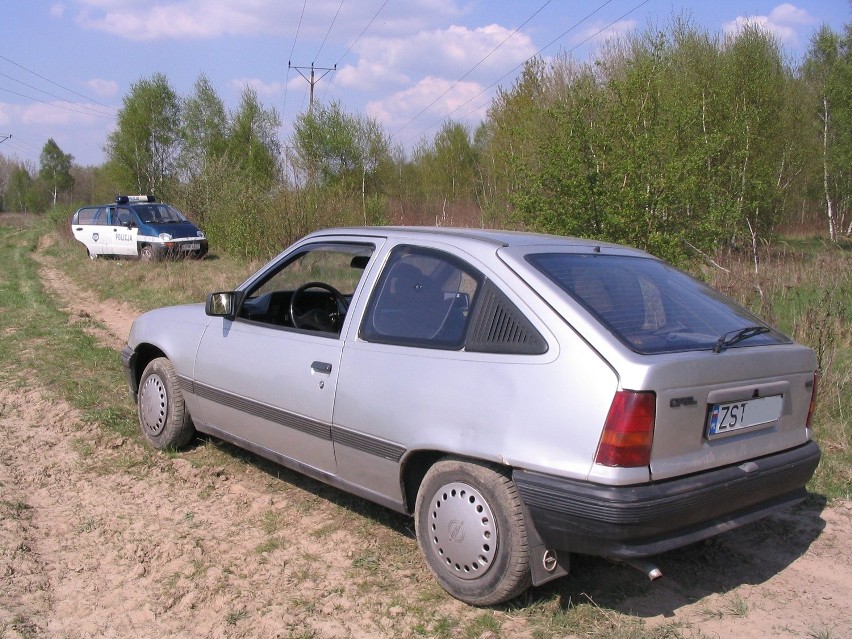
(163,417)
(470,527)
(92,256)
(146,253)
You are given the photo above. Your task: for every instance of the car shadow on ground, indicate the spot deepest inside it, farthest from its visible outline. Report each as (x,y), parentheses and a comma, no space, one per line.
(749,555)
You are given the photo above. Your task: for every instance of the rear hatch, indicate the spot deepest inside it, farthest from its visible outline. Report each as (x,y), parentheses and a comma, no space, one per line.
(716,409)
(729,388)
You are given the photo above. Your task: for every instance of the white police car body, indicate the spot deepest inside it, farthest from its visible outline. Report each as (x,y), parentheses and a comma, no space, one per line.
(137,226)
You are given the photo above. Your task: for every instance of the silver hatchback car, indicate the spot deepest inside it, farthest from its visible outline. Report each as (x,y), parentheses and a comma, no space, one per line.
(523,396)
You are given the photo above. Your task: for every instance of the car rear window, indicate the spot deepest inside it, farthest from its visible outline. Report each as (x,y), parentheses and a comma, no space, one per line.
(649,305)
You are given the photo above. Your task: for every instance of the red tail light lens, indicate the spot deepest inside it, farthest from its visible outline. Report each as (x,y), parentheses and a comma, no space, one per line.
(813,400)
(629,430)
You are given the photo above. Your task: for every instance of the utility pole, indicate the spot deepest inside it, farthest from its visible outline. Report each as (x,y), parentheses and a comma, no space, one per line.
(312,80)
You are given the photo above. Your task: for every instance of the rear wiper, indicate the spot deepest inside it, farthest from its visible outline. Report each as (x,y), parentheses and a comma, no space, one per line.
(732,337)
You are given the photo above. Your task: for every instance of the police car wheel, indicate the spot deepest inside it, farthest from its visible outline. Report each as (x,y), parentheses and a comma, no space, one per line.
(163,417)
(92,256)
(146,254)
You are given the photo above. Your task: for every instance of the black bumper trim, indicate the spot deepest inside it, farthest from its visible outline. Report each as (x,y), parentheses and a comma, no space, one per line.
(639,521)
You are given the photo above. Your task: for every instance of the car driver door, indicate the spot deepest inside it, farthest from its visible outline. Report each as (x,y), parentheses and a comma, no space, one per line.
(268,376)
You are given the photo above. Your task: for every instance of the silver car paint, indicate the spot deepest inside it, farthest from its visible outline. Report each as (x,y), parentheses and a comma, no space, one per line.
(542,412)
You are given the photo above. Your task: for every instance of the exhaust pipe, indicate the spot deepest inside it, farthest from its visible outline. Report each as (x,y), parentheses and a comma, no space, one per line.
(651,571)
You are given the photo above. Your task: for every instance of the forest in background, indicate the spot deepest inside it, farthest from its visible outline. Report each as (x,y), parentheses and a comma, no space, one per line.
(676,141)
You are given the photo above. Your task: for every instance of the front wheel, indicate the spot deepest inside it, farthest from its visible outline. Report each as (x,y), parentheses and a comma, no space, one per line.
(146,253)
(471,530)
(163,417)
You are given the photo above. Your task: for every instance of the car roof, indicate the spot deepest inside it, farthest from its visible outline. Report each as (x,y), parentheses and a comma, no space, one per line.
(497,238)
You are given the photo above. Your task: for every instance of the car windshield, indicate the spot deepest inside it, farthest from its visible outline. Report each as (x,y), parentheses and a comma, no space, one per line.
(651,306)
(159,214)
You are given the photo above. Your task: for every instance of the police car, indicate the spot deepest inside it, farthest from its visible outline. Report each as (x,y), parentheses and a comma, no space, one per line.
(138,226)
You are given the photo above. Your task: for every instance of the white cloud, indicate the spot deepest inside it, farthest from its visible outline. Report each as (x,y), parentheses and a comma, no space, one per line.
(104,88)
(783,22)
(454,50)
(397,109)
(142,20)
(196,19)
(57,10)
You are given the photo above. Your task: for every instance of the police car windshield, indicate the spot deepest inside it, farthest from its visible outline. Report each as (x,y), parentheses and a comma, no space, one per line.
(159,214)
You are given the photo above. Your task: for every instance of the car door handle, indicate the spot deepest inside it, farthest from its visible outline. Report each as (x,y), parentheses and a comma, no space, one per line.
(321,367)
(79,228)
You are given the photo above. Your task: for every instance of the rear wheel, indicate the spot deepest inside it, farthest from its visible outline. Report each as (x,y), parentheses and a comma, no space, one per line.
(471,530)
(162,413)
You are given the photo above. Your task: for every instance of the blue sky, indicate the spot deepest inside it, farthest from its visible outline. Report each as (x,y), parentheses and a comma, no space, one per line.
(65,66)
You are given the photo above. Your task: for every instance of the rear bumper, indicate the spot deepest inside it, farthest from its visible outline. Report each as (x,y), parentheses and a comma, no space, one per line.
(638,521)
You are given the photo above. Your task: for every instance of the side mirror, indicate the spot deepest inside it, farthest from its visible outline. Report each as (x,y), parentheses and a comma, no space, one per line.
(222,304)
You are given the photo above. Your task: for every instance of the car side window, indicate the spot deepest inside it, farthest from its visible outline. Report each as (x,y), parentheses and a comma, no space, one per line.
(423,298)
(92,216)
(121,216)
(310,290)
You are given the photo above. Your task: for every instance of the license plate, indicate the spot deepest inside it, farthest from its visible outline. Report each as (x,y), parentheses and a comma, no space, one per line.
(736,416)
(190,246)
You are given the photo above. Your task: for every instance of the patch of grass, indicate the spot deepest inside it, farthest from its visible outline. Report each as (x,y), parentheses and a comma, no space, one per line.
(268,546)
(148,285)
(16,508)
(736,606)
(232,618)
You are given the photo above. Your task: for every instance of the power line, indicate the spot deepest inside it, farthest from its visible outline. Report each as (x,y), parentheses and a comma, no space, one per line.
(53,104)
(64,88)
(355,41)
(542,49)
(364,30)
(474,67)
(53,95)
(292,49)
(333,20)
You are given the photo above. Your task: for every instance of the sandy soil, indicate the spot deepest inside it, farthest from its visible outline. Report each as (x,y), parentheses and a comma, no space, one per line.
(100,537)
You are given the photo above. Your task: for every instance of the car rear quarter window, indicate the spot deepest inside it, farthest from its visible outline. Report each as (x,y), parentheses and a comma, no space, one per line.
(649,305)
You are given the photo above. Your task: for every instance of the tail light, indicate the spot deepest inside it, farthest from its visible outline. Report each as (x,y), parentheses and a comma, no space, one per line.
(813,399)
(629,430)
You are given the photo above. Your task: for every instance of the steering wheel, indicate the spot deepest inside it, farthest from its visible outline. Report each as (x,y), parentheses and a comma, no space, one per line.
(317,318)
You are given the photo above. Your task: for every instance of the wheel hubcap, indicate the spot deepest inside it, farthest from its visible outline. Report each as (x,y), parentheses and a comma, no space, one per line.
(153,404)
(462,530)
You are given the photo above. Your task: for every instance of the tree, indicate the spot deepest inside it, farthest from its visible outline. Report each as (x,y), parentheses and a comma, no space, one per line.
(143,148)
(828,70)
(22,193)
(55,169)
(252,142)
(334,148)
(203,130)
